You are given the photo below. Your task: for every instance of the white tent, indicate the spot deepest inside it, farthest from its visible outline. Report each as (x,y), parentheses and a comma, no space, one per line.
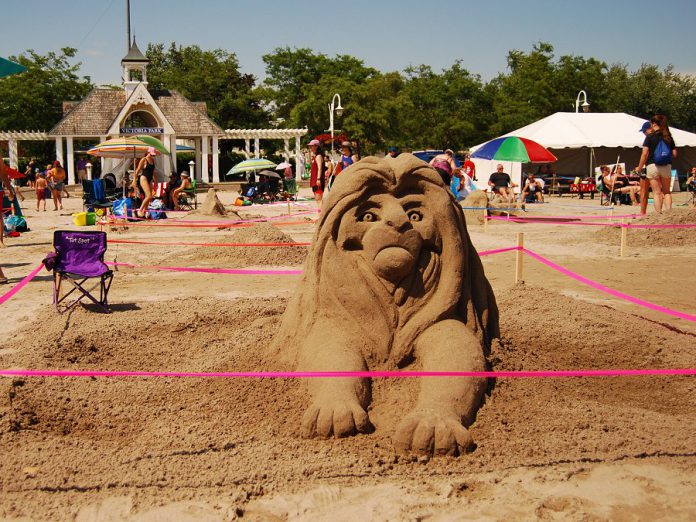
(581,141)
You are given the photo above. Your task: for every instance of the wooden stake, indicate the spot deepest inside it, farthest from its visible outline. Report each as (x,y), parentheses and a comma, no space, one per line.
(519,257)
(288,207)
(485,219)
(611,212)
(624,232)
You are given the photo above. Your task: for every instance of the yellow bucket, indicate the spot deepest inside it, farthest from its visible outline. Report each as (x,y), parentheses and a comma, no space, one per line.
(80,219)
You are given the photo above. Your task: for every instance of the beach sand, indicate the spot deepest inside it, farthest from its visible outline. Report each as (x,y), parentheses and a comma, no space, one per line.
(150,449)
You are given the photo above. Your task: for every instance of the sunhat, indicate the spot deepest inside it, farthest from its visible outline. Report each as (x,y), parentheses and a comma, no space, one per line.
(314,142)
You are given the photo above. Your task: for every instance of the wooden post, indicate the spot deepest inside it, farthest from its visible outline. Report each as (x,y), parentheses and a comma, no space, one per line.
(485,219)
(611,212)
(519,258)
(288,206)
(624,231)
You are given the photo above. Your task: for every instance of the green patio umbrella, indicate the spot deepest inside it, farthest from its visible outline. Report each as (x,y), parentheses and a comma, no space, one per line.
(8,68)
(251,164)
(155,143)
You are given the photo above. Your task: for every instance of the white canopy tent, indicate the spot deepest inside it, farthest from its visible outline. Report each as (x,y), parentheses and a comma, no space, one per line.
(581,141)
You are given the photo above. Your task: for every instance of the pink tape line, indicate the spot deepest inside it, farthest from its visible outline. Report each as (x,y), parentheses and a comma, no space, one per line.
(7,296)
(606,289)
(364,374)
(210,270)
(254,272)
(548,221)
(183,243)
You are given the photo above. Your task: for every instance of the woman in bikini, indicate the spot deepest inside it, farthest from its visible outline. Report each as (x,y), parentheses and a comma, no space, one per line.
(144,177)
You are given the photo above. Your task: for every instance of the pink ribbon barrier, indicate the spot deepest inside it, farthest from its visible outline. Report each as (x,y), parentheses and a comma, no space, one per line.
(550,221)
(210,270)
(215,223)
(606,289)
(183,243)
(362,374)
(683,225)
(16,288)
(183,224)
(497,251)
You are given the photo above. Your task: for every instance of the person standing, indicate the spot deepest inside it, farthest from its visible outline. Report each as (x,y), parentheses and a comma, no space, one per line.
(445,165)
(40,187)
(30,173)
(658,151)
(81,169)
(469,167)
(56,181)
(143,179)
(317,171)
(4,186)
(346,160)
(393,152)
(644,182)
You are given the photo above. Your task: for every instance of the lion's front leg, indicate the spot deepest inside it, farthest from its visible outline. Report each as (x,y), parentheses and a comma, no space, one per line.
(444,403)
(338,404)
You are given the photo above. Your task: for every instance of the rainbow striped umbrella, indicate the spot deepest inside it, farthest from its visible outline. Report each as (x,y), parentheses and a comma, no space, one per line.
(129,147)
(516,149)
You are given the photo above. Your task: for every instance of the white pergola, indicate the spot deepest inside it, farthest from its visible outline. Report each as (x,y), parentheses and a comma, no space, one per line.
(12,137)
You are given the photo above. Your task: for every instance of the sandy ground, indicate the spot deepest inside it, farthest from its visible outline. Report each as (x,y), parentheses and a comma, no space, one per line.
(204,449)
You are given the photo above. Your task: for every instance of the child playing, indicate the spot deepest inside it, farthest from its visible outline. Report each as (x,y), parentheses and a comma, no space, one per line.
(41,186)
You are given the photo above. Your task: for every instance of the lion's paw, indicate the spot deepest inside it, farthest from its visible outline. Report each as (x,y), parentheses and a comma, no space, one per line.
(335,418)
(432,433)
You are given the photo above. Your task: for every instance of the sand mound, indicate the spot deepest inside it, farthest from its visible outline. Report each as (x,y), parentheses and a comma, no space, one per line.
(234,257)
(476,199)
(638,237)
(497,207)
(72,441)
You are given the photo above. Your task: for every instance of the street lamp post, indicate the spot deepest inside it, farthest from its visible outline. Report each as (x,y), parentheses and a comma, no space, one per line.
(339,111)
(585,105)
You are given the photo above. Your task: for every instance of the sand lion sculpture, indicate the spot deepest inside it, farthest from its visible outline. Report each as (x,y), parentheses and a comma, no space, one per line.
(392,280)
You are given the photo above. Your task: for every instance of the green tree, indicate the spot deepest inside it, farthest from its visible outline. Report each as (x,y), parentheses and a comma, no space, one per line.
(33,100)
(292,72)
(208,76)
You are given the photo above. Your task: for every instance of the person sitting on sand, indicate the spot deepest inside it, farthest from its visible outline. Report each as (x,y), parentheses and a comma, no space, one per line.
(184,185)
(41,185)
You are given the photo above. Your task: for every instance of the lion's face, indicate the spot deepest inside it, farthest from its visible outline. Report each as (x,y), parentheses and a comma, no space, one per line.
(390,232)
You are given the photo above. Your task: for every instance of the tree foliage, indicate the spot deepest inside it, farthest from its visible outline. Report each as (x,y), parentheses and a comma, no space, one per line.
(33,100)
(208,76)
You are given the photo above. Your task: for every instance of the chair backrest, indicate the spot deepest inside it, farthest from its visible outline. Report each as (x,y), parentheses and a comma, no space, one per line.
(80,253)
(99,189)
(87,191)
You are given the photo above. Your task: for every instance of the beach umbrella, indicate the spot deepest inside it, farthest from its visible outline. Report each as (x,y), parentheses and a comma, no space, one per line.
(13,173)
(251,165)
(8,68)
(269,174)
(154,143)
(515,149)
(121,148)
(130,147)
(283,166)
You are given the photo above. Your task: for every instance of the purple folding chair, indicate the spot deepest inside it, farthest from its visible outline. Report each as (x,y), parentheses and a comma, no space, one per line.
(80,257)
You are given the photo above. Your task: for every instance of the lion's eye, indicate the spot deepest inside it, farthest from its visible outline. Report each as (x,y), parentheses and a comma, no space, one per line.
(415,216)
(367,216)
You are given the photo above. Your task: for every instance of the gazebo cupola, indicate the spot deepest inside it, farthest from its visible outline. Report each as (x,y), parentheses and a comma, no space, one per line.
(134,69)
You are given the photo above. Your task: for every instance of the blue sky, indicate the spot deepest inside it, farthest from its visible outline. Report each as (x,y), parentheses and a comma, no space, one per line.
(388,35)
